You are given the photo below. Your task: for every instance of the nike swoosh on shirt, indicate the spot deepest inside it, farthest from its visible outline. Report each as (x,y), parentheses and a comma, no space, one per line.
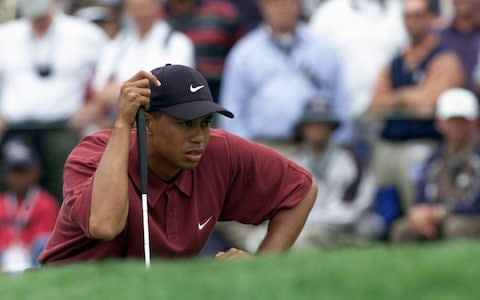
(202,225)
(196,89)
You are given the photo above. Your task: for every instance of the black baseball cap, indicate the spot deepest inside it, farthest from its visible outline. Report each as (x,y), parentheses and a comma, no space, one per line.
(183,94)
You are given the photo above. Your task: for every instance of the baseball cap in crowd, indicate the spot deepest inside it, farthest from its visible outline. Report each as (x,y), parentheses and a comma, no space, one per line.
(457,103)
(32,9)
(183,94)
(318,111)
(17,155)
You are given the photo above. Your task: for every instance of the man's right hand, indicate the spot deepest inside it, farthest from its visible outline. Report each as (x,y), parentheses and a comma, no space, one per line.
(424,220)
(134,93)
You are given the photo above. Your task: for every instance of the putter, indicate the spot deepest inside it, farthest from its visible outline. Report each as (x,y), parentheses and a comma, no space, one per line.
(142,159)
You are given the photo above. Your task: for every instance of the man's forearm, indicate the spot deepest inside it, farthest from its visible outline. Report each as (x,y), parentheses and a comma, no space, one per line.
(385,104)
(286,224)
(109,207)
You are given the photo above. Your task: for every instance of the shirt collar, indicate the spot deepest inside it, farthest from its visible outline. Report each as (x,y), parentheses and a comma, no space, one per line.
(183,182)
(297,35)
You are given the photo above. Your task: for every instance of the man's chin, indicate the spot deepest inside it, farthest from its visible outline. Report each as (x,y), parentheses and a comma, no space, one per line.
(188,165)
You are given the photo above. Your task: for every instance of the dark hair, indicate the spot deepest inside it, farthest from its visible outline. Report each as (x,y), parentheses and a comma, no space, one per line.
(432,6)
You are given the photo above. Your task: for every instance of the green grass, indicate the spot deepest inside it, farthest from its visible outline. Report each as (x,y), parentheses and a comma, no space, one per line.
(434,271)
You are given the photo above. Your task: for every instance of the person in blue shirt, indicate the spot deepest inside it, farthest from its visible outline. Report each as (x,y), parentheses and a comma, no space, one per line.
(448,196)
(275,70)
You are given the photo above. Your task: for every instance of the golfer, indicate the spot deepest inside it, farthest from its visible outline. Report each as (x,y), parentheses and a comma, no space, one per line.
(197,176)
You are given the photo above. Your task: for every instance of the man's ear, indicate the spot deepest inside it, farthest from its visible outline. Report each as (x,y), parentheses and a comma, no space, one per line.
(149,123)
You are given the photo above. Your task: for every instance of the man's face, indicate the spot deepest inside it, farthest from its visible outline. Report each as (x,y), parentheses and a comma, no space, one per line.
(457,130)
(317,135)
(281,15)
(142,12)
(177,144)
(20,179)
(418,20)
(465,7)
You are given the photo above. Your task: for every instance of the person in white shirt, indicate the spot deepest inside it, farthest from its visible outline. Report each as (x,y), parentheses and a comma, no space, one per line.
(366,34)
(144,44)
(46,61)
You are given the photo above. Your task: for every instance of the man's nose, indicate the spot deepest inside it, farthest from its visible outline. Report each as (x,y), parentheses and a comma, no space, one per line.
(199,135)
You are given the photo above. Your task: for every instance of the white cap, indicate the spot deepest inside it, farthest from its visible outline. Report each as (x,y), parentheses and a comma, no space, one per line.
(32,9)
(458,103)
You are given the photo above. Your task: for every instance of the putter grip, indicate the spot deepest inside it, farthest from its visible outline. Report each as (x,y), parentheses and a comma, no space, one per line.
(142,150)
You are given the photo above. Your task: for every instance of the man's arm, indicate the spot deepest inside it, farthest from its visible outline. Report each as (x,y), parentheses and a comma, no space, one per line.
(383,98)
(283,229)
(444,73)
(109,204)
(286,224)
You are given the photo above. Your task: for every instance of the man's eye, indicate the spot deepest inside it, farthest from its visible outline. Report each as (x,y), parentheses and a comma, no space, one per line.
(207,122)
(188,123)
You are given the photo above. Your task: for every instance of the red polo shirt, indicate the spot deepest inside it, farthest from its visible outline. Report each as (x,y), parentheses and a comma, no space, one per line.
(235,180)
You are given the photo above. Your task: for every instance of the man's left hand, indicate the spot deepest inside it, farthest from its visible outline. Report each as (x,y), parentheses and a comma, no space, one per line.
(232,253)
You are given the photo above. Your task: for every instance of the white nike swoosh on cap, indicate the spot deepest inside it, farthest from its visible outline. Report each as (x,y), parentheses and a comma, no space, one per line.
(196,89)
(202,225)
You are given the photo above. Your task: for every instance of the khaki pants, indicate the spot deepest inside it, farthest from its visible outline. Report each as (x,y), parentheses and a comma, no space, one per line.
(398,165)
(454,227)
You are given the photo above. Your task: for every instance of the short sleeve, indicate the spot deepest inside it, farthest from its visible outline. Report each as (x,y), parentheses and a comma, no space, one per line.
(261,182)
(78,181)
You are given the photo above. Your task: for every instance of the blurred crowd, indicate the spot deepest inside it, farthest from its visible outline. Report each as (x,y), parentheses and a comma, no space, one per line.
(377,98)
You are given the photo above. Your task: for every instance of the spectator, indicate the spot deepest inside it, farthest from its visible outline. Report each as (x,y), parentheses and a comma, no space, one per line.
(267,91)
(46,62)
(213,27)
(448,200)
(463,36)
(341,213)
(145,43)
(27,212)
(404,99)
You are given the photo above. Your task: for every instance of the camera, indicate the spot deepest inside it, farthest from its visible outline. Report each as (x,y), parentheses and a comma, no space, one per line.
(44,71)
